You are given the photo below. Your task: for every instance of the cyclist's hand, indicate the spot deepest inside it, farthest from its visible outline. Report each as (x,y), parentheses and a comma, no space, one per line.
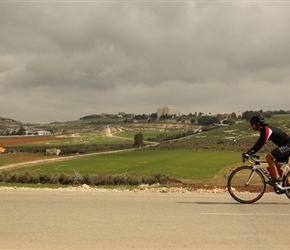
(245,156)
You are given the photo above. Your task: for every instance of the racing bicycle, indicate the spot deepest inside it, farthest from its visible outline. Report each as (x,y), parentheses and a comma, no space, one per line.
(247,184)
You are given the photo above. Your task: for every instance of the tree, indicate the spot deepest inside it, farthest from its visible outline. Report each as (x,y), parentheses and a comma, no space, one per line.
(21,131)
(233,115)
(208,120)
(153,116)
(141,117)
(138,140)
(249,113)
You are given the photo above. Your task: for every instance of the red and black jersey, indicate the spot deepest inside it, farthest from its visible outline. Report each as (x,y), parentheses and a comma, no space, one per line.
(271,133)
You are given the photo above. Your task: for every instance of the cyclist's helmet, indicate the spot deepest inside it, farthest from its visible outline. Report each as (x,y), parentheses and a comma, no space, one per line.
(257,119)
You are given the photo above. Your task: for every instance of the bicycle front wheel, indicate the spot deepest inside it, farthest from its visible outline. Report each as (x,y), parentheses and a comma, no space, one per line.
(246,185)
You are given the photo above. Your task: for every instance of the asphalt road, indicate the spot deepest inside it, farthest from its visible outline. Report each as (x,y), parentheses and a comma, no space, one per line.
(35,219)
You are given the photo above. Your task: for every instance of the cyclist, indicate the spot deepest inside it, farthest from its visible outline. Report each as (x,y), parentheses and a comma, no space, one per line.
(278,137)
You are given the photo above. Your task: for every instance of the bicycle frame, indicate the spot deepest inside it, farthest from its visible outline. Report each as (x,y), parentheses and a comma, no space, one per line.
(256,164)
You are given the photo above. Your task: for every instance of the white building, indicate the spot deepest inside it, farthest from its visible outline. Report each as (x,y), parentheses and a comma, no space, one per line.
(166,111)
(52,151)
(42,132)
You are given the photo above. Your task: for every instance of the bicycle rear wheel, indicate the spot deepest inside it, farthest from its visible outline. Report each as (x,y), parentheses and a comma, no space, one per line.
(245,185)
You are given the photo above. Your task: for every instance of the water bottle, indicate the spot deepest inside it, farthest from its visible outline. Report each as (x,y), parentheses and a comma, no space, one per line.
(270,171)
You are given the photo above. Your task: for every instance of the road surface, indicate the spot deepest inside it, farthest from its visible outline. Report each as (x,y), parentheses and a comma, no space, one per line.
(39,219)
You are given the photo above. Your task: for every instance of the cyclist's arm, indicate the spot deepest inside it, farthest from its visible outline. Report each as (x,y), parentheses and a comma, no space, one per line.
(258,145)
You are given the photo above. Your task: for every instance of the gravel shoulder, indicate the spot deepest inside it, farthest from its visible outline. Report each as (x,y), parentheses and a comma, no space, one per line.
(139,189)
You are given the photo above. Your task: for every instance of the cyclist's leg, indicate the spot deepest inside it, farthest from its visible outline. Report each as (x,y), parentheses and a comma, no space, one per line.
(280,154)
(279,169)
(272,164)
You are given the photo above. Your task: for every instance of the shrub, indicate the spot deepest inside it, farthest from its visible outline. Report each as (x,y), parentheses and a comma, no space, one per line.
(29,177)
(64,179)
(89,179)
(44,178)
(76,178)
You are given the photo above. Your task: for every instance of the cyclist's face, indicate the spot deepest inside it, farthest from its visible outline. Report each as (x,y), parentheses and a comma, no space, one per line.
(255,126)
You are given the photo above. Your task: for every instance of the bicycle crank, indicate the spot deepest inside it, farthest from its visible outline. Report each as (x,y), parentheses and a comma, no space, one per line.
(278,190)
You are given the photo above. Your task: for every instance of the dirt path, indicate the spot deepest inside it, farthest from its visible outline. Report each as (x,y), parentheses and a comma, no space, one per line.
(57,159)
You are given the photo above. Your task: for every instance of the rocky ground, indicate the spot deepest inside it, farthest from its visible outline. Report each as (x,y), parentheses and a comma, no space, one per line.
(139,189)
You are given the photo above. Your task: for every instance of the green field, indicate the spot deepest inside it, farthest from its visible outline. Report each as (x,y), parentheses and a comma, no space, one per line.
(176,164)
(147,134)
(84,138)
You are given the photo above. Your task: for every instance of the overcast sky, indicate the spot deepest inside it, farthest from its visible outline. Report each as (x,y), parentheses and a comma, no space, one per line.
(67,59)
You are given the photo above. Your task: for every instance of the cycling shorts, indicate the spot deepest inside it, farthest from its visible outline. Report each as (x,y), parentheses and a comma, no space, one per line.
(281,154)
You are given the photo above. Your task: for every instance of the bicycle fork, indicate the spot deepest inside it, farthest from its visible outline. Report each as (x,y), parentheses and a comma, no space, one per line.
(251,176)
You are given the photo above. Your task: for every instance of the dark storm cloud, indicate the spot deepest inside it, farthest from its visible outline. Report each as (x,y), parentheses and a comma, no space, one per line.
(138,56)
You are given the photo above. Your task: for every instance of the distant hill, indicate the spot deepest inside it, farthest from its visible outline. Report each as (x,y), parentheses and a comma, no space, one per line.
(8,121)
(8,125)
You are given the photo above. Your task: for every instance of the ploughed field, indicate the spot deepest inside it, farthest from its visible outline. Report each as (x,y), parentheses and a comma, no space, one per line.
(11,158)
(17,140)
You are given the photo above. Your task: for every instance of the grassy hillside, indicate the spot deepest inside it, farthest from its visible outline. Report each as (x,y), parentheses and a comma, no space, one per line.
(205,156)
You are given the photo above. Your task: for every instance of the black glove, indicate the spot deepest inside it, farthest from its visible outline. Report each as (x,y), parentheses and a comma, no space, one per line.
(245,155)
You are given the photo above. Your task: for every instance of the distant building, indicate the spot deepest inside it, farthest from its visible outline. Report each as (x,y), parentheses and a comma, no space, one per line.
(43,132)
(52,151)
(28,132)
(166,111)
(123,114)
(223,116)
